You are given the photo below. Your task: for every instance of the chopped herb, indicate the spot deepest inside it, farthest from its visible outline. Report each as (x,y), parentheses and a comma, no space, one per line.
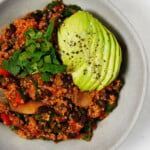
(1,79)
(56,130)
(109,108)
(49,31)
(14,128)
(38,56)
(38,117)
(70,10)
(53,4)
(45,76)
(87,137)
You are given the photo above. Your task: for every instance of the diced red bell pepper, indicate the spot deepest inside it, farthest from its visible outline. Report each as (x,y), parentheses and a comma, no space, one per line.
(4,72)
(18,99)
(57,8)
(5,118)
(74,125)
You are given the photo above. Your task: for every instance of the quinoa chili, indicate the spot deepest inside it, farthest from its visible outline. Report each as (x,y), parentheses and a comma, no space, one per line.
(47,105)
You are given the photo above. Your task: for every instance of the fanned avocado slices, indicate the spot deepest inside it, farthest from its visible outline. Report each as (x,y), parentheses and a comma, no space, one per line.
(91,52)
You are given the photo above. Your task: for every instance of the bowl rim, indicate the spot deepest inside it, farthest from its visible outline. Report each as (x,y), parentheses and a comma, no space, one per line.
(145,77)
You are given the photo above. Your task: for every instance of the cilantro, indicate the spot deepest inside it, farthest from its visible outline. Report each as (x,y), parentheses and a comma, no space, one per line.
(12,64)
(14,127)
(53,68)
(38,56)
(53,56)
(53,4)
(49,31)
(87,137)
(47,59)
(109,108)
(68,11)
(45,76)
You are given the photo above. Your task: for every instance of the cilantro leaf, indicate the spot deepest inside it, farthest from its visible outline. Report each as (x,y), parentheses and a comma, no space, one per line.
(11,67)
(49,31)
(53,68)
(53,56)
(30,32)
(23,74)
(46,45)
(53,4)
(37,56)
(45,76)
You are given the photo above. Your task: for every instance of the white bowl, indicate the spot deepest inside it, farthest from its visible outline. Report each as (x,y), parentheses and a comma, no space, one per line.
(113,130)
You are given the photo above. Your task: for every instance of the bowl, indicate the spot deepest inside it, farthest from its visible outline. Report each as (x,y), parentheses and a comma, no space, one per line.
(115,128)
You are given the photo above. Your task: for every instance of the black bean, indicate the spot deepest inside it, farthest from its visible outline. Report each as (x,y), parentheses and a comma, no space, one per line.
(48,16)
(43,109)
(67,78)
(47,92)
(102,103)
(37,15)
(107,95)
(12,29)
(75,116)
(72,135)
(48,83)
(108,92)
(114,92)
(66,98)
(14,79)
(83,120)
(64,125)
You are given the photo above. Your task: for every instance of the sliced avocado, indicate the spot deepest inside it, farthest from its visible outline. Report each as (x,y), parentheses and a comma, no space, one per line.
(90,51)
(100,54)
(94,60)
(110,64)
(101,73)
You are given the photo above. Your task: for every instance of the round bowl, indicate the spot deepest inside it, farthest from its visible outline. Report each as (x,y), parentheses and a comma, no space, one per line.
(112,130)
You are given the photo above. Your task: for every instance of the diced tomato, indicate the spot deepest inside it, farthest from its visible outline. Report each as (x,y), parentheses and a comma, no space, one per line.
(12,117)
(3,72)
(35,134)
(74,125)
(18,99)
(5,118)
(103,116)
(57,8)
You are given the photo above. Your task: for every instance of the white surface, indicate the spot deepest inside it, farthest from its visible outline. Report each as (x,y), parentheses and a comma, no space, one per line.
(137,11)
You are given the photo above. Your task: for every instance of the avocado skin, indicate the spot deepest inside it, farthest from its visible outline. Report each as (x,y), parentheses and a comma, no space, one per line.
(91,52)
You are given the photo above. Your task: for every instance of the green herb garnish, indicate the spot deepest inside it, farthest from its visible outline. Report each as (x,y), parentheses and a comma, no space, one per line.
(109,108)
(14,128)
(38,56)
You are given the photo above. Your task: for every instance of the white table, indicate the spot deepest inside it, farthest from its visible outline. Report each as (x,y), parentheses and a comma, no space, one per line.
(138,13)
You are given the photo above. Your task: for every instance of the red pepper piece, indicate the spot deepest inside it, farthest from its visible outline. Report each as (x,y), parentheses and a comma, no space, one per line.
(18,99)
(57,8)
(4,72)
(74,125)
(5,118)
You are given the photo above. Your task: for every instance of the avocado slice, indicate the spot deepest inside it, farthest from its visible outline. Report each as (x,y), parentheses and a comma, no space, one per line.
(90,51)
(94,58)
(100,55)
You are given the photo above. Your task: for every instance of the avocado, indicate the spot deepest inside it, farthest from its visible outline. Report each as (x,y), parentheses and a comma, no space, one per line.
(90,51)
